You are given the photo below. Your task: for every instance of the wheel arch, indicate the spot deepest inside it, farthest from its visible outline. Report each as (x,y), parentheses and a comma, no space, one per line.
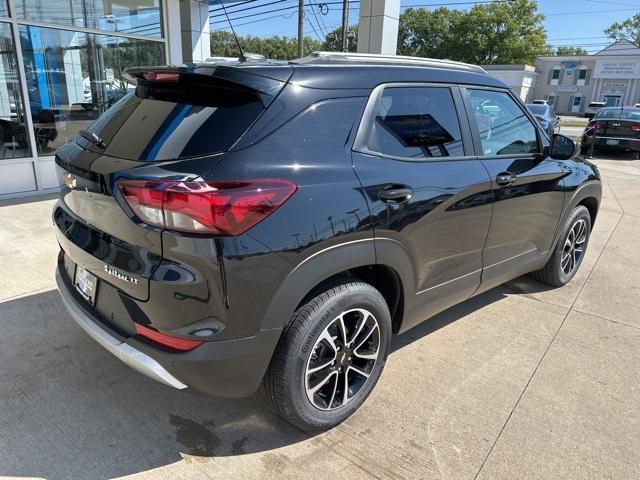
(382,263)
(588,194)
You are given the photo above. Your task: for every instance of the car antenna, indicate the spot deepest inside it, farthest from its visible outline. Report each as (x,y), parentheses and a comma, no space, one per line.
(235,37)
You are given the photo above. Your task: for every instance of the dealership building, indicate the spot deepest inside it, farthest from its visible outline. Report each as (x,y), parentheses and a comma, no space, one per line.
(60,64)
(570,83)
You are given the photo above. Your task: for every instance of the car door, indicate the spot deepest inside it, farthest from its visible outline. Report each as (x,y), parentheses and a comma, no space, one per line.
(527,186)
(426,190)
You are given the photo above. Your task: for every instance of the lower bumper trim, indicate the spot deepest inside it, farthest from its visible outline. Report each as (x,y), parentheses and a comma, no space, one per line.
(136,359)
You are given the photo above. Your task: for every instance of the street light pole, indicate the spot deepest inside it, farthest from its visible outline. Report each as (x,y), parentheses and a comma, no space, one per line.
(345,25)
(300,28)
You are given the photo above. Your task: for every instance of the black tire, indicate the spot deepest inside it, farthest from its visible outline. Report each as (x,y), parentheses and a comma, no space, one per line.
(557,272)
(285,383)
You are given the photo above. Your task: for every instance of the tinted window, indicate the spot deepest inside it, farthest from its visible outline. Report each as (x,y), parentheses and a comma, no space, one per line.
(504,128)
(166,121)
(416,122)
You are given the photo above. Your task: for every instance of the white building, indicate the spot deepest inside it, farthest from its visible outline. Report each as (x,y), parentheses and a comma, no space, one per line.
(521,78)
(570,83)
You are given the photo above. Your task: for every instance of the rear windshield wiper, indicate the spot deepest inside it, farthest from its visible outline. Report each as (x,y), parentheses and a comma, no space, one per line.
(92,137)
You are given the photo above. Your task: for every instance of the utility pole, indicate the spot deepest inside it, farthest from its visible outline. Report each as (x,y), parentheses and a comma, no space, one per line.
(345,25)
(300,28)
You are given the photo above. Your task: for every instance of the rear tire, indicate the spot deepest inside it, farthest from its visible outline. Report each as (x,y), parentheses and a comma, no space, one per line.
(321,371)
(569,251)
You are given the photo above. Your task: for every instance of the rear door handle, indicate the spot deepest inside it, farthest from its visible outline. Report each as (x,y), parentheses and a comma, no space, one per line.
(395,193)
(504,179)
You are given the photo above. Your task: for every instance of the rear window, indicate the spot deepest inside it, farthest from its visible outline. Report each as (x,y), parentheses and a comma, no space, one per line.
(416,122)
(537,109)
(619,113)
(597,104)
(194,117)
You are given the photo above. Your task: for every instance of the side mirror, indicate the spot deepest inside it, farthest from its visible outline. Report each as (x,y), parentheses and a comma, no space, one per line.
(563,148)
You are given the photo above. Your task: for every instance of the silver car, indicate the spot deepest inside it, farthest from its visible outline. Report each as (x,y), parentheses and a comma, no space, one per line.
(593,108)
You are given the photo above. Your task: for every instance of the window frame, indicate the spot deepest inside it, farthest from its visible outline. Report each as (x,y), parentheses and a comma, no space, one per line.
(360,144)
(541,140)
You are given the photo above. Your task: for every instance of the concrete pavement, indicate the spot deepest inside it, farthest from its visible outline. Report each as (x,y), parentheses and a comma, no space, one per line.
(520,382)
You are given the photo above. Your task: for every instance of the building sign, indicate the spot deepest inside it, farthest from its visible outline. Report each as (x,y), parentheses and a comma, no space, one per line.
(566,89)
(616,69)
(614,85)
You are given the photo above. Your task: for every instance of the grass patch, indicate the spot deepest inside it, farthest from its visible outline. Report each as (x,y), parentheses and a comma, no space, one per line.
(574,122)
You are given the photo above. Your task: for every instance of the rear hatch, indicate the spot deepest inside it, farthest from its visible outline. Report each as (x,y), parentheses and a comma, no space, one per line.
(173,125)
(621,128)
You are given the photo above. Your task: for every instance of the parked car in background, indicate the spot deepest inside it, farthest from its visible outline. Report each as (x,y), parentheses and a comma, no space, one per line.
(615,128)
(593,108)
(545,117)
(540,102)
(231,225)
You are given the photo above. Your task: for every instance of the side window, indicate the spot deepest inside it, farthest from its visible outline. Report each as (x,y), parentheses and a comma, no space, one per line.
(504,128)
(416,122)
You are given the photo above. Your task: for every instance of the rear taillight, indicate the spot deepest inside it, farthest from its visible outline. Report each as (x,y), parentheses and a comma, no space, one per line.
(635,128)
(168,341)
(171,77)
(225,208)
(595,125)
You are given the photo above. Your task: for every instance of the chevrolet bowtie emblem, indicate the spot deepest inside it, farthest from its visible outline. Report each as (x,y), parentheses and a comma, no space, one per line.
(69,180)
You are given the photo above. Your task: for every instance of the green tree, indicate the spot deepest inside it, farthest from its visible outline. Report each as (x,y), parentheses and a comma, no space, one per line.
(276,47)
(333,40)
(564,51)
(493,33)
(628,29)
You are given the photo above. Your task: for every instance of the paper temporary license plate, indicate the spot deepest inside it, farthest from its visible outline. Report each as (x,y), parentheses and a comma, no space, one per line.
(612,142)
(86,284)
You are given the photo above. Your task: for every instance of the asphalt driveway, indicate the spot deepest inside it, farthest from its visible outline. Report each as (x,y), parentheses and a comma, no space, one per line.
(520,382)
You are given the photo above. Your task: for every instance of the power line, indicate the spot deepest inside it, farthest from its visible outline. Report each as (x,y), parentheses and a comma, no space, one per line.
(476,2)
(313,28)
(260,20)
(315,15)
(586,12)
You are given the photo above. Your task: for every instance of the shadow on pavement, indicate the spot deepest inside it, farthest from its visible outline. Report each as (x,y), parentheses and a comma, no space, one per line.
(447,317)
(611,154)
(69,410)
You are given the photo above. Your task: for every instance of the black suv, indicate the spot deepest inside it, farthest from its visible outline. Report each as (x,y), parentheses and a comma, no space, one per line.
(227,226)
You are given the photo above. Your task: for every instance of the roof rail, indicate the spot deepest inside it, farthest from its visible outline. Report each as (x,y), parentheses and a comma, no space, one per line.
(320,58)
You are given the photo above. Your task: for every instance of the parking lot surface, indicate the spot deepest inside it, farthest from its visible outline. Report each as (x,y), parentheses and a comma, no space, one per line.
(520,382)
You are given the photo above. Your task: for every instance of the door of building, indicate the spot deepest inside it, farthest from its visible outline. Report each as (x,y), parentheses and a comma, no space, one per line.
(612,100)
(576,103)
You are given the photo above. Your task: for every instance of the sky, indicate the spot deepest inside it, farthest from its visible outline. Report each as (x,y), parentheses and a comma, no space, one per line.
(568,22)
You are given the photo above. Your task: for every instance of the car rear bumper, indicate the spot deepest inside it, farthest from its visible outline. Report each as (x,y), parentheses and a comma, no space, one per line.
(230,368)
(613,143)
(125,352)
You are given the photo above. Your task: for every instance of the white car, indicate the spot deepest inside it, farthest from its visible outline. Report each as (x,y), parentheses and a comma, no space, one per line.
(540,102)
(593,108)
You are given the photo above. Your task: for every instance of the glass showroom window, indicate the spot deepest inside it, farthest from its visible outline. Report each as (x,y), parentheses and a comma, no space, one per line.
(139,17)
(14,138)
(73,77)
(4,11)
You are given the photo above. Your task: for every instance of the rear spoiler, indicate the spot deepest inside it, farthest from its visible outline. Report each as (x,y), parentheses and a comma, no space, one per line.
(267,80)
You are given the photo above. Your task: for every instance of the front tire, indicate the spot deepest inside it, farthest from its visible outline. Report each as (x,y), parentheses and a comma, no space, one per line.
(330,357)
(569,251)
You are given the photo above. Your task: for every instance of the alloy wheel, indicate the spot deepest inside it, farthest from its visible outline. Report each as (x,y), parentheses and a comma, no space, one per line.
(342,359)
(574,245)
